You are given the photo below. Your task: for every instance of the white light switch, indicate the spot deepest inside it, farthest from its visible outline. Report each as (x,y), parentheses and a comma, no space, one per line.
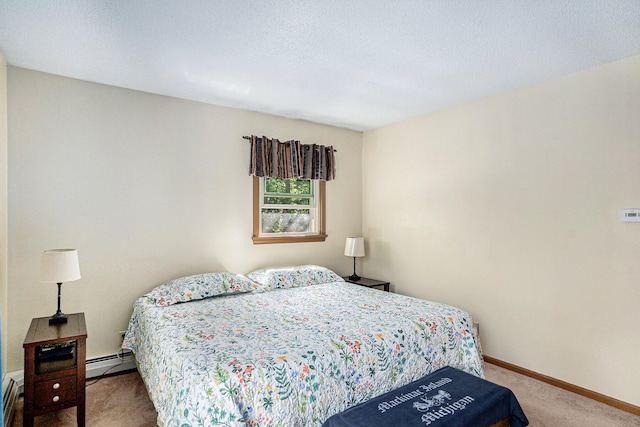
(631,215)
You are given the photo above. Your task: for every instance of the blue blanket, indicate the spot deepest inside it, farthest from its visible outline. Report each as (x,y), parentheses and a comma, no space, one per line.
(447,397)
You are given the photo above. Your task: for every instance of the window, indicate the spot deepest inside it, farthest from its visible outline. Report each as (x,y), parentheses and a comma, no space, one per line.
(288,210)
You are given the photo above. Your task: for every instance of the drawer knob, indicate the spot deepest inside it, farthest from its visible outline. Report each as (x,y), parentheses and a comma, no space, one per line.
(56,398)
(56,386)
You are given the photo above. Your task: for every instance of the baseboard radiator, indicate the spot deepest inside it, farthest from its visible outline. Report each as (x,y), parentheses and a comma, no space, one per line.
(111,364)
(13,383)
(9,398)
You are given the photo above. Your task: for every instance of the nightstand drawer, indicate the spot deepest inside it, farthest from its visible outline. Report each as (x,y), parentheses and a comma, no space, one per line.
(55,392)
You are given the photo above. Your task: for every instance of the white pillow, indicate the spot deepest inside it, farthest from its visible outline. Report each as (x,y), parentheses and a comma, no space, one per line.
(200,286)
(293,277)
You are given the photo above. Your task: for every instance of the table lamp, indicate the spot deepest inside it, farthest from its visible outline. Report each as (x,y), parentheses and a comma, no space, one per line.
(58,266)
(355,248)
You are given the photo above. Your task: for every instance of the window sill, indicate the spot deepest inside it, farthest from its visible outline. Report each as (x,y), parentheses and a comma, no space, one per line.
(260,240)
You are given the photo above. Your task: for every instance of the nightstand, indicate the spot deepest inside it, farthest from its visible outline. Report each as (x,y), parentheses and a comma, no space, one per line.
(55,367)
(369,283)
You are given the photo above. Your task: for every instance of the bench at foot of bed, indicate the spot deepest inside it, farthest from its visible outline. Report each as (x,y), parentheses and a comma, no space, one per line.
(447,397)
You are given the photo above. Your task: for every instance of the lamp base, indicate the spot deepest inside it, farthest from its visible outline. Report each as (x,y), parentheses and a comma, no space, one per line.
(58,319)
(354,277)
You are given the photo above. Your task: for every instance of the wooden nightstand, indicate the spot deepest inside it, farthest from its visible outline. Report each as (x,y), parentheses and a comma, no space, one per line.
(54,377)
(369,283)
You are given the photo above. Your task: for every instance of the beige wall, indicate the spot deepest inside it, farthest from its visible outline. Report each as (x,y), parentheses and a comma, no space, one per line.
(3,207)
(510,207)
(147,188)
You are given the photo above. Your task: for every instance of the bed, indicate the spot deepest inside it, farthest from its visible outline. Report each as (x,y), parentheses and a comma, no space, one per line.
(286,346)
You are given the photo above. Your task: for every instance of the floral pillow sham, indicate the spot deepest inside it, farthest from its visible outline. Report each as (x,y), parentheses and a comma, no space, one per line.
(293,277)
(200,286)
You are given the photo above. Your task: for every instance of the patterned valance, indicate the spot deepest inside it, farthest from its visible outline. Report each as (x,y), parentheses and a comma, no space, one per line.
(291,159)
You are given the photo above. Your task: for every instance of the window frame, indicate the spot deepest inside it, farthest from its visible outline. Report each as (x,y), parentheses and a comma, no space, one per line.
(319,236)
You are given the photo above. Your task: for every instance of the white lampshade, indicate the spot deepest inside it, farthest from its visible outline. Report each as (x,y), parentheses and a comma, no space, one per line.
(59,265)
(354,247)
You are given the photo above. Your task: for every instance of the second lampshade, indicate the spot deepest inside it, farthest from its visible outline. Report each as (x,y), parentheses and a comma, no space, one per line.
(58,266)
(354,247)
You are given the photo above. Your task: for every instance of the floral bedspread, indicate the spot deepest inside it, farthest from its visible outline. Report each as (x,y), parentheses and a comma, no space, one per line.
(291,357)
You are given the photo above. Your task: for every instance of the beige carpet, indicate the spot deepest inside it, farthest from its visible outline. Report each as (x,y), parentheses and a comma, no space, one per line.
(122,401)
(549,406)
(116,401)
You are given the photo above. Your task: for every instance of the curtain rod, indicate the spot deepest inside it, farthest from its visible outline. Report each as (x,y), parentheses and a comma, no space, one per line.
(248,137)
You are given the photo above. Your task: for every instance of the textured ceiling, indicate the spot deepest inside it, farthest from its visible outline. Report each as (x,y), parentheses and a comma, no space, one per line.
(358,64)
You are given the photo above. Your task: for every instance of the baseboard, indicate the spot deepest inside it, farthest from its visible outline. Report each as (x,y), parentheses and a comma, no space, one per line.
(598,397)
(13,383)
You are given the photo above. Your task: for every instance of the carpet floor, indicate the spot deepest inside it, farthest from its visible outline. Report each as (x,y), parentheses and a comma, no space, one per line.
(122,401)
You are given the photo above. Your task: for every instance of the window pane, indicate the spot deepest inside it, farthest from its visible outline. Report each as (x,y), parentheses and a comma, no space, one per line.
(270,200)
(288,211)
(288,186)
(285,220)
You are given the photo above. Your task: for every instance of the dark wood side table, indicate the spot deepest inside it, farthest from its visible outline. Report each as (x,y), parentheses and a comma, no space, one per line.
(369,283)
(54,382)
